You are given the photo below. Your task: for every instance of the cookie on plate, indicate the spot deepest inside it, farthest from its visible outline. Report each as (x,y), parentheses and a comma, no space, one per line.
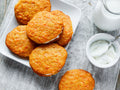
(18,42)
(26,9)
(77,79)
(68,30)
(47,60)
(44,27)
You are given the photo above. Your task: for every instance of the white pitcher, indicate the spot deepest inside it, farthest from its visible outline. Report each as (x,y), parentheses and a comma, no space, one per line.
(107,15)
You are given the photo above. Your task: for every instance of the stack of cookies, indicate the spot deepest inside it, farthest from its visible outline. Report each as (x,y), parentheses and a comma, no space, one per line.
(41,36)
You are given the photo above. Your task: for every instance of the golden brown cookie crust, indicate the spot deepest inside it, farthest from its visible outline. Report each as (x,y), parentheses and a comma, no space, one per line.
(68,30)
(18,42)
(47,60)
(26,9)
(44,27)
(77,79)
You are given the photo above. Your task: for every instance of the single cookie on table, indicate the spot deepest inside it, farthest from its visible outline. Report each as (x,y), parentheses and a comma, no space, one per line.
(67,33)
(26,9)
(44,27)
(47,60)
(18,42)
(77,79)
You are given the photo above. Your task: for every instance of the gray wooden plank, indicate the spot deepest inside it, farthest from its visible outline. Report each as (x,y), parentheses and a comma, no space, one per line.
(3,6)
(14,76)
(2,9)
(118,83)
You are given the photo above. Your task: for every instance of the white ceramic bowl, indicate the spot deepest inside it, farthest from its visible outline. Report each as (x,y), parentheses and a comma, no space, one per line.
(102,36)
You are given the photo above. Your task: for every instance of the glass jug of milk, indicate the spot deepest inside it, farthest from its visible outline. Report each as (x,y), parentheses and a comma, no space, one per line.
(107,15)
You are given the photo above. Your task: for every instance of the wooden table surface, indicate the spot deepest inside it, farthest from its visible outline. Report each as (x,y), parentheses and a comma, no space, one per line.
(15,76)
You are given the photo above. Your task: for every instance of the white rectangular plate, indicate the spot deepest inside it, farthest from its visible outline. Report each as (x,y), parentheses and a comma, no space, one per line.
(10,23)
